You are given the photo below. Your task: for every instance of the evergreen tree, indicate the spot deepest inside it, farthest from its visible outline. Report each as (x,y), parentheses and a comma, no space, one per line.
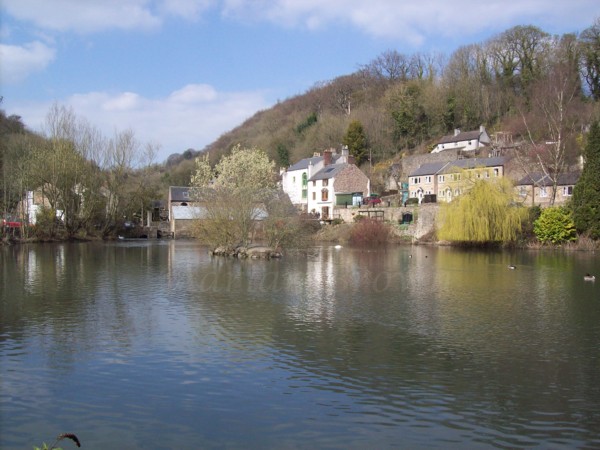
(356,141)
(586,195)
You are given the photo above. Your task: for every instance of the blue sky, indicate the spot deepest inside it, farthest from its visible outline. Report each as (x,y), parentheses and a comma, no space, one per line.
(180,73)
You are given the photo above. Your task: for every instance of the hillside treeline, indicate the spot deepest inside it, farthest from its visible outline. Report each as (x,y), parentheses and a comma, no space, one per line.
(542,89)
(405,102)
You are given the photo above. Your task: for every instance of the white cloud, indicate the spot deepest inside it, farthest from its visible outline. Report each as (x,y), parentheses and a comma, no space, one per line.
(186,8)
(415,21)
(83,15)
(19,61)
(191,117)
(393,19)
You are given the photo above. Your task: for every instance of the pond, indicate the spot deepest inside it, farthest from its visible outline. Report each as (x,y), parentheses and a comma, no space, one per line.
(156,345)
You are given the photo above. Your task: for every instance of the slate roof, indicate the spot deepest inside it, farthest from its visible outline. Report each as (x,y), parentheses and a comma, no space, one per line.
(452,166)
(541,179)
(462,136)
(328,172)
(304,163)
(472,163)
(428,169)
(180,194)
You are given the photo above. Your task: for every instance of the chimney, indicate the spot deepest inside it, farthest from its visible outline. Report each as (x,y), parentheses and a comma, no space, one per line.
(351,159)
(327,157)
(456,131)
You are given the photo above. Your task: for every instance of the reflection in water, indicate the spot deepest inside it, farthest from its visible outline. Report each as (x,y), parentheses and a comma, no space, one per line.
(157,345)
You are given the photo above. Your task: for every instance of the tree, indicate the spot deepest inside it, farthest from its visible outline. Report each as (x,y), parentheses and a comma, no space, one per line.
(590,58)
(356,141)
(555,225)
(484,214)
(553,123)
(233,196)
(585,203)
(283,154)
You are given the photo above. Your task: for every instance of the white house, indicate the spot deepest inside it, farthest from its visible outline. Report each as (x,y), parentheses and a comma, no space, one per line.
(464,141)
(316,185)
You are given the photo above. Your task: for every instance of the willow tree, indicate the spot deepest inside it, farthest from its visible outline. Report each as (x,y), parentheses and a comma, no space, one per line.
(484,214)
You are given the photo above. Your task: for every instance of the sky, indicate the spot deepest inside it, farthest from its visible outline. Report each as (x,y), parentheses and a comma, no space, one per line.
(180,73)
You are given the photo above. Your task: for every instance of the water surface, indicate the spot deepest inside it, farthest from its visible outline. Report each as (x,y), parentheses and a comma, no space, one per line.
(156,345)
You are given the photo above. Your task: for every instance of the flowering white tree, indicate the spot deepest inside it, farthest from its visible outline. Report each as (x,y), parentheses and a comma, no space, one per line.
(233,195)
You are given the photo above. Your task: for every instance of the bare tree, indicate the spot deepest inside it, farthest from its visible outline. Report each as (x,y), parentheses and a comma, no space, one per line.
(553,123)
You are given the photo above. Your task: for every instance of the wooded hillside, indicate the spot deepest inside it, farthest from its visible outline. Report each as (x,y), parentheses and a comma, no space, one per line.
(519,81)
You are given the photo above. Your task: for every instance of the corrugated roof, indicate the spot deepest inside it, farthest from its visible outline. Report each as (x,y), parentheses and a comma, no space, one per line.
(188,212)
(200,212)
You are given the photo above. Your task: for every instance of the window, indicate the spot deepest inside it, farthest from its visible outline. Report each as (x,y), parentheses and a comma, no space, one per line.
(441,178)
(304,180)
(456,192)
(314,183)
(294,180)
(522,191)
(314,196)
(325,182)
(496,172)
(324,195)
(487,173)
(416,180)
(427,179)
(543,192)
(440,193)
(567,191)
(304,193)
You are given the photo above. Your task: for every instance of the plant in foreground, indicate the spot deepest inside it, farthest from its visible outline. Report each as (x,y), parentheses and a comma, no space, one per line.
(58,439)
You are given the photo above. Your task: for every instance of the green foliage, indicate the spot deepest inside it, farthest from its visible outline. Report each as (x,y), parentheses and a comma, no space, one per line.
(585,203)
(356,141)
(284,155)
(555,225)
(484,214)
(307,123)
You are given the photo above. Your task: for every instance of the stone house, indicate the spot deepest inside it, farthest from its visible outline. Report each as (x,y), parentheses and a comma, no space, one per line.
(447,180)
(536,188)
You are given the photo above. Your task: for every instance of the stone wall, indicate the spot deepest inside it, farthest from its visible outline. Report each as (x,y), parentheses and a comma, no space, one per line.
(423,217)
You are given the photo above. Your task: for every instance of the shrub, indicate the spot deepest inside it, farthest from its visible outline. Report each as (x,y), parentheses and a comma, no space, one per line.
(412,201)
(555,225)
(337,221)
(370,232)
